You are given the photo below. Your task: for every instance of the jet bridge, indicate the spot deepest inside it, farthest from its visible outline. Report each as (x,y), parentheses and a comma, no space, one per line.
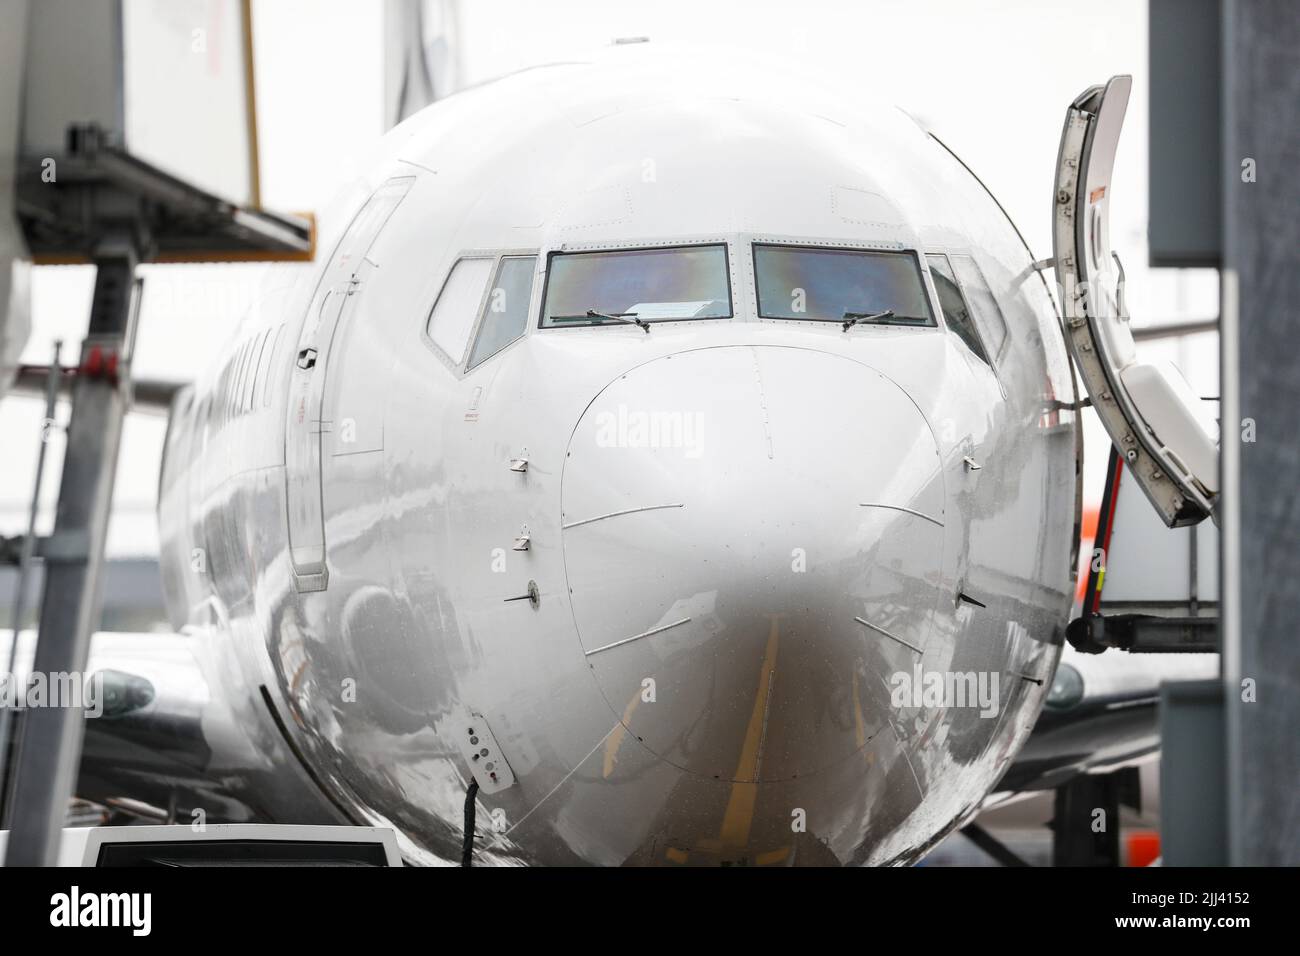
(93,183)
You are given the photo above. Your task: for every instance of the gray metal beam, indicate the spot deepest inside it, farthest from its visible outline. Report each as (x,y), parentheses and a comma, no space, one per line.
(1185,133)
(1261,459)
(1144,634)
(99,185)
(49,747)
(991,845)
(1081,835)
(25,559)
(1192,816)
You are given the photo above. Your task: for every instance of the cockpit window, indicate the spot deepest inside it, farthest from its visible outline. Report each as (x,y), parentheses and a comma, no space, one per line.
(988,317)
(506,312)
(955,310)
(453,315)
(652,285)
(835,285)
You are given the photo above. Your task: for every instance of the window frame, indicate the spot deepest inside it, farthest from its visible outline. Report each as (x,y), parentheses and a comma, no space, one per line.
(987,358)
(481,319)
(994,356)
(836,245)
(461,368)
(588,249)
(992,365)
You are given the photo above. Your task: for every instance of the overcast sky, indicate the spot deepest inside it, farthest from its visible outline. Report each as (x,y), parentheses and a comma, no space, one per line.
(991,78)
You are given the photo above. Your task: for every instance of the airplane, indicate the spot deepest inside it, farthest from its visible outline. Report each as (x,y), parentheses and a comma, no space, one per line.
(669,461)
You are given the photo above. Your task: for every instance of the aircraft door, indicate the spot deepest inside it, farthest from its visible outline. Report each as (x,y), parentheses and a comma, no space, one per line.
(306,428)
(1164,431)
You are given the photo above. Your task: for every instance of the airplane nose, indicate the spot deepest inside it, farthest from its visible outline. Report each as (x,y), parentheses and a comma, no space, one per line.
(753,539)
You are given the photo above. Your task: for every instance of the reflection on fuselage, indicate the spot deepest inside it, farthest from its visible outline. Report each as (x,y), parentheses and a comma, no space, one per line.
(677,571)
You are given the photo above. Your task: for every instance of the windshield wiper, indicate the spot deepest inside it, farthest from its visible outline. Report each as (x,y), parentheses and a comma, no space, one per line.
(853,318)
(629,317)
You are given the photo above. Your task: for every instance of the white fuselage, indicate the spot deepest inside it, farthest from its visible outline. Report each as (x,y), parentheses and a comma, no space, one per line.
(747,535)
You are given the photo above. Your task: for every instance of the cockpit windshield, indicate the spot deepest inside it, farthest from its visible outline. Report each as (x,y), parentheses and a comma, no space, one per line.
(649,285)
(834,285)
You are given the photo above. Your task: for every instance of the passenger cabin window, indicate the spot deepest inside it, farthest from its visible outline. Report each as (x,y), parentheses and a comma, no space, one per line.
(505,313)
(955,310)
(834,285)
(652,285)
(453,315)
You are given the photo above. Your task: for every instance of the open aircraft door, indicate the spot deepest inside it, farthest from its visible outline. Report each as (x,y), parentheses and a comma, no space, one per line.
(1164,431)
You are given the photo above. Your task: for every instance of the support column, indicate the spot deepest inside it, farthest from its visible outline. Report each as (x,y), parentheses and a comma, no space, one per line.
(1260,453)
(1085,824)
(49,749)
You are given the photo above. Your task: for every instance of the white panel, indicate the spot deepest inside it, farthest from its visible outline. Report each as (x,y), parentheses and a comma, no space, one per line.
(458,304)
(1148,561)
(186,104)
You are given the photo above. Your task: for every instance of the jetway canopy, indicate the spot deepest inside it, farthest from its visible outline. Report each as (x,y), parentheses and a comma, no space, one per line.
(143,112)
(172,84)
(99,183)
(136,122)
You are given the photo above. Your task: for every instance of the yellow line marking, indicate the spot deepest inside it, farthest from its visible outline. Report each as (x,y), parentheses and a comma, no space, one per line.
(615,739)
(772,856)
(739,816)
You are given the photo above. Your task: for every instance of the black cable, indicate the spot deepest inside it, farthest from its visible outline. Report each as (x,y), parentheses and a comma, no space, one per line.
(467,849)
